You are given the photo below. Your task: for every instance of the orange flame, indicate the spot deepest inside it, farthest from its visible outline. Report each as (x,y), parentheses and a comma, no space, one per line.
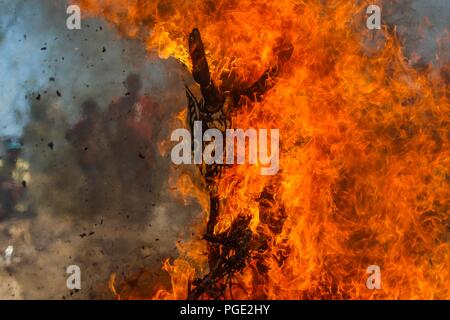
(364,155)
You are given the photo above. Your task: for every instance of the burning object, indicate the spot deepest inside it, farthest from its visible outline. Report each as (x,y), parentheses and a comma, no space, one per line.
(228,250)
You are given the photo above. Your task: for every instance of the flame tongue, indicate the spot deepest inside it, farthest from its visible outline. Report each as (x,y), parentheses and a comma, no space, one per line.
(364,148)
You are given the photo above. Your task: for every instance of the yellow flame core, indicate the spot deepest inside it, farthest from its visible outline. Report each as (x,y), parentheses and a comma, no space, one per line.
(364,154)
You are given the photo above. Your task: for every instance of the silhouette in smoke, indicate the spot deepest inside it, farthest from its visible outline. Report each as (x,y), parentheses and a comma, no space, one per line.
(117,117)
(118,112)
(115,151)
(86,138)
(129,125)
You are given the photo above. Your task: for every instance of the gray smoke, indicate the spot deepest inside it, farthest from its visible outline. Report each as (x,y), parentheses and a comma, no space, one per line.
(120,216)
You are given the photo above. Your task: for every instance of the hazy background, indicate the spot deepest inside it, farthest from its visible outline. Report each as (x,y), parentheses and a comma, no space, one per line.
(125,218)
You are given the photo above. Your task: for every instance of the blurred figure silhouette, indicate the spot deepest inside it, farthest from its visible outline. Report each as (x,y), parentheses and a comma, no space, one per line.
(86,137)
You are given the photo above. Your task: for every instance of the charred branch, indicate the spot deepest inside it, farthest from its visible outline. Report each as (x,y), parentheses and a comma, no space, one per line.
(200,70)
(235,251)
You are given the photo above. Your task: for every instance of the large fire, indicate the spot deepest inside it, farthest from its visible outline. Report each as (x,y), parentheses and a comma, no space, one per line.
(364,155)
